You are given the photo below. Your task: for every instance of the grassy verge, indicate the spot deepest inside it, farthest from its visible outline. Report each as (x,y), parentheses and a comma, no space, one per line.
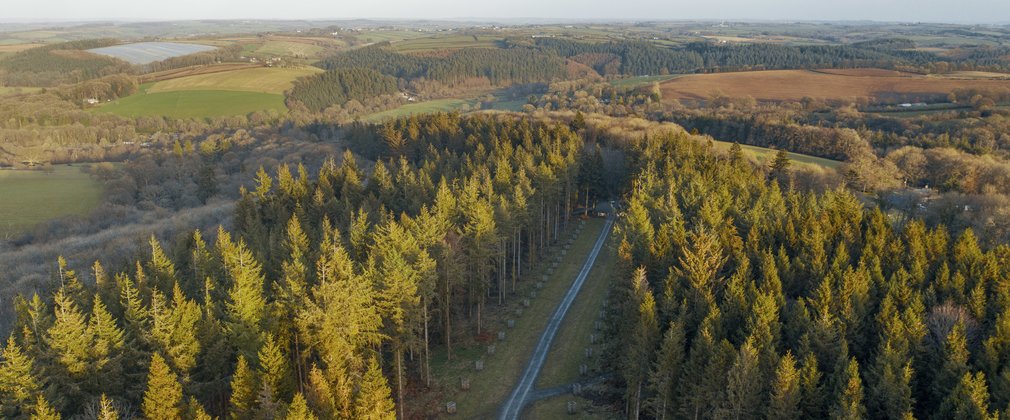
(557,408)
(32,197)
(567,351)
(502,369)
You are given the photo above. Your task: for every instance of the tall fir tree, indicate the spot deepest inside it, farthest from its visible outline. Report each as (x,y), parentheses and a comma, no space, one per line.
(163,398)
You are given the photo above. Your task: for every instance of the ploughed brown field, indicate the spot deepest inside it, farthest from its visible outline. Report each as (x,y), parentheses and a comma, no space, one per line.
(786,85)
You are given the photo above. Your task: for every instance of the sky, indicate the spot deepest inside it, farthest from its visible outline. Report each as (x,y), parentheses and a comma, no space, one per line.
(963,11)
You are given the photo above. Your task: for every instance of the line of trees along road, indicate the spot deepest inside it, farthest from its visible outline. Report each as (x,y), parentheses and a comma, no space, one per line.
(313,301)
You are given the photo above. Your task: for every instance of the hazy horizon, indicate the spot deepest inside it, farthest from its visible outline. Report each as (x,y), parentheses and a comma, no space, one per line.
(972,11)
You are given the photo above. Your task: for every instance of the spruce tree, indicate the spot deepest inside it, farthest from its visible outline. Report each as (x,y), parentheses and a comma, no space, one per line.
(106,411)
(373,401)
(43,411)
(18,386)
(299,409)
(163,398)
(968,400)
(785,390)
(243,390)
(667,372)
(849,405)
(274,370)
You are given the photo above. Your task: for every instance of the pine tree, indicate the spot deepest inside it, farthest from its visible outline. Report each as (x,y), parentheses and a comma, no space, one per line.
(743,393)
(246,307)
(69,336)
(786,390)
(163,398)
(243,390)
(18,386)
(780,164)
(274,371)
(850,398)
(373,401)
(195,410)
(299,409)
(642,342)
(667,372)
(106,411)
(968,400)
(43,411)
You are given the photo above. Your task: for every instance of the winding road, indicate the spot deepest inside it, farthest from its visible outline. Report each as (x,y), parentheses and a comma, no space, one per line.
(517,400)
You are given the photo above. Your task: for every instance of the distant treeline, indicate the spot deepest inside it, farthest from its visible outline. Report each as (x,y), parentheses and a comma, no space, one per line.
(336,87)
(643,58)
(57,64)
(500,66)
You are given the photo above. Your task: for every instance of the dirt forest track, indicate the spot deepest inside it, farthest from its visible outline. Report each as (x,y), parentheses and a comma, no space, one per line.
(513,406)
(791,85)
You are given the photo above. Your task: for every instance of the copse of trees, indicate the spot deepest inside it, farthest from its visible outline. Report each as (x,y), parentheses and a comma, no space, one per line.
(62,63)
(500,66)
(338,86)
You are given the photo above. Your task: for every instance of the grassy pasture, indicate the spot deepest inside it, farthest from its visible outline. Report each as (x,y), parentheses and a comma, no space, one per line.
(195,70)
(289,48)
(259,79)
(9,90)
(791,85)
(447,43)
(639,81)
(32,197)
(438,105)
(388,36)
(194,104)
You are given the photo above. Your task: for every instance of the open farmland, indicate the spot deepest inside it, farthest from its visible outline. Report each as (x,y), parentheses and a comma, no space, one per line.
(149,52)
(31,197)
(195,70)
(452,42)
(259,79)
(787,85)
(195,104)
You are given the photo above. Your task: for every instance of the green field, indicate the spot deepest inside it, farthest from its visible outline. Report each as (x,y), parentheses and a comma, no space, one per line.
(195,104)
(765,155)
(390,36)
(32,197)
(260,79)
(639,81)
(438,105)
(4,90)
(289,48)
(447,42)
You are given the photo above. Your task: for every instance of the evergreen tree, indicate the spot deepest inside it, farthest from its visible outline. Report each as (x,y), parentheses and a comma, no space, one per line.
(43,411)
(106,411)
(274,370)
(299,409)
(743,395)
(849,405)
(18,386)
(163,398)
(968,400)
(642,342)
(786,390)
(780,164)
(243,390)
(373,400)
(246,307)
(667,371)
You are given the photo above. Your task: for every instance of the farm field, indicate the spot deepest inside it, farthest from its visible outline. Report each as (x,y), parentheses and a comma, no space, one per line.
(195,70)
(195,104)
(8,90)
(149,52)
(32,197)
(786,85)
(639,81)
(447,43)
(258,79)
(388,36)
(438,105)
